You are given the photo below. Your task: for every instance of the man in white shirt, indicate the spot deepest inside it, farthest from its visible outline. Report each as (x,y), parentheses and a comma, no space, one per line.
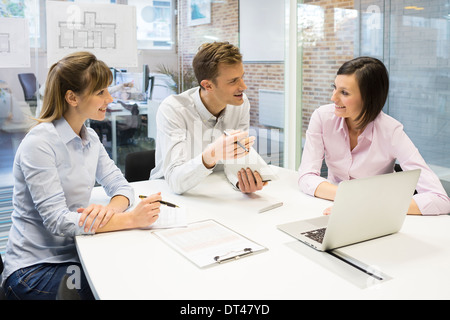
(190,140)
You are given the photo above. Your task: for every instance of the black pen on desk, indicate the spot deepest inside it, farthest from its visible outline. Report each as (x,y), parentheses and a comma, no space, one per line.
(162,202)
(239,144)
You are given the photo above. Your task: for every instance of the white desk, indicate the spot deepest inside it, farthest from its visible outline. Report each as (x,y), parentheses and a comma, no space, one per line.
(136,264)
(149,108)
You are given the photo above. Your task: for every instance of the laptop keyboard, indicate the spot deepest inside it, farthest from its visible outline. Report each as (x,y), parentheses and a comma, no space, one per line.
(316,235)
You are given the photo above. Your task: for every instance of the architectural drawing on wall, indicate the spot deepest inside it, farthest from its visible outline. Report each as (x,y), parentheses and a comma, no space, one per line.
(106,30)
(14,43)
(87,34)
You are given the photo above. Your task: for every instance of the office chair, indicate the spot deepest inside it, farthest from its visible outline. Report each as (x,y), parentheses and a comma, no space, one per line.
(2,292)
(148,82)
(139,164)
(150,87)
(398,168)
(28,82)
(64,293)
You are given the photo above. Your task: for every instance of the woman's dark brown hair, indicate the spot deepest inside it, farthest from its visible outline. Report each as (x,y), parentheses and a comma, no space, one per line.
(373,81)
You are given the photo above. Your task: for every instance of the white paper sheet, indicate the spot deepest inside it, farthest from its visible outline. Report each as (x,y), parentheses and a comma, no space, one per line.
(207,243)
(170,218)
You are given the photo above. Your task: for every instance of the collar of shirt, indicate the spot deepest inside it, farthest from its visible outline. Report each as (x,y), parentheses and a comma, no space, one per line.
(202,110)
(67,134)
(366,134)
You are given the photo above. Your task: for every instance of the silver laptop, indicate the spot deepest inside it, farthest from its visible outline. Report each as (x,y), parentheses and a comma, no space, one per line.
(363,209)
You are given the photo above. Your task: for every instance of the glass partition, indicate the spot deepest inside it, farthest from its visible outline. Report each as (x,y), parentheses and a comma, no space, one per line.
(412,38)
(419,65)
(260,36)
(21,75)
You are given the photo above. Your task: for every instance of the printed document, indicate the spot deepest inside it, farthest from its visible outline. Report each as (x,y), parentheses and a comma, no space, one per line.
(208,243)
(170,218)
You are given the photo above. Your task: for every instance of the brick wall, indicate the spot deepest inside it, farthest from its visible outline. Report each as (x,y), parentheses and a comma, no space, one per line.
(415,48)
(327,44)
(321,56)
(225,27)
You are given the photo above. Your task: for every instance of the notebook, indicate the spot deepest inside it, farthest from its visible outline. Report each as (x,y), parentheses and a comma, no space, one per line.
(363,209)
(253,161)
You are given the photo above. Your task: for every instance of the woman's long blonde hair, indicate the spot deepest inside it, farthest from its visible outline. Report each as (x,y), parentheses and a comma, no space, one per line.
(80,72)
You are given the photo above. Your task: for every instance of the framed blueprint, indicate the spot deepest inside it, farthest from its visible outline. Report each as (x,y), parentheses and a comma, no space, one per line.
(14,43)
(106,30)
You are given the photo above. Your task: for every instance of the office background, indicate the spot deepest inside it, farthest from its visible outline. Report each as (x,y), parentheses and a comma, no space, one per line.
(292,50)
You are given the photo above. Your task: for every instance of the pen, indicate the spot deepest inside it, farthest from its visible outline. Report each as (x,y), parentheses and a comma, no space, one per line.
(239,144)
(162,202)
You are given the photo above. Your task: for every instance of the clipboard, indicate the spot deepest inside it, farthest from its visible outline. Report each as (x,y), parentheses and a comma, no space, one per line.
(208,243)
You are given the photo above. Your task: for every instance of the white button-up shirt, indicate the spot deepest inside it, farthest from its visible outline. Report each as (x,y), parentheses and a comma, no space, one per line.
(54,173)
(184,129)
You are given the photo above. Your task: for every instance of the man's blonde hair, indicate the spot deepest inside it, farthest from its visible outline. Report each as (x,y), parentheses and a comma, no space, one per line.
(206,61)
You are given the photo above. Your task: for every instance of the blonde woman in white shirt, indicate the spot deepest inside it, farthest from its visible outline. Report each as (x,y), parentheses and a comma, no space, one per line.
(55,168)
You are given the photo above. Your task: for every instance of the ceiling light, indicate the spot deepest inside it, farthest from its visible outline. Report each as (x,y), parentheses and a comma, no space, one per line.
(413,8)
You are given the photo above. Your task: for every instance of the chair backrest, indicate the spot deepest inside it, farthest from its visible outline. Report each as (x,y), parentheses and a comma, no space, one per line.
(28,82)
(64,293)
(138,165)
(2,291)
(150,87)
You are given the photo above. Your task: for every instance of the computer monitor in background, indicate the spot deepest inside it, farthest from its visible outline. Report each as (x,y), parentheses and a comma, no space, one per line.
(113,71)
(136,92)
(148,81)
(145,77)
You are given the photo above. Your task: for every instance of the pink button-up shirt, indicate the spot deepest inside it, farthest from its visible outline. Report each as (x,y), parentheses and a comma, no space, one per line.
(379,146)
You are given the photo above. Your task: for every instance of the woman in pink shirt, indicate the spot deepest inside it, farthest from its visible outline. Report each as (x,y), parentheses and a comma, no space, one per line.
(357,139)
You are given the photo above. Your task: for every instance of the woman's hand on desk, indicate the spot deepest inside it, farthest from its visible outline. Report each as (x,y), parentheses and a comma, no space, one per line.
(98,218)
(95,216)
(146,211)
